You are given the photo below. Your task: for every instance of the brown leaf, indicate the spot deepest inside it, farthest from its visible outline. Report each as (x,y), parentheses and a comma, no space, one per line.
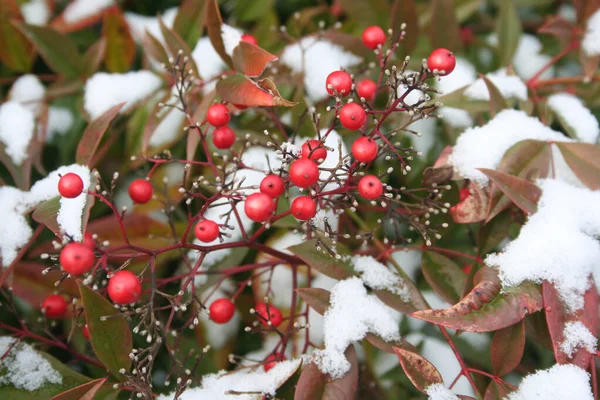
(584,160)
(418,369)
(523,193)
(473,208)
(560,28)
(238,89)
(388,347)
(507,348)
(213,26)
(155,49)
(437,176)
(176,44)
(250,59)
(585,8)
(93,57)
(87,391)
(486,308)
(317,299)
(120,47)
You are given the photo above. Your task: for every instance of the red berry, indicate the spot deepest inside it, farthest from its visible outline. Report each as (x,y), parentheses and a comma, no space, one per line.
(218,115)
(314,150)
(366,88)
(76,258)
(223,137)
(464,194)
(250,39)
(274,315)
(466,35)
(272,185)
(467,268)
(124,287)
(370,187)
(70,185)
(364,149)
(88,241)
(442,61)
(259,207)
(272,360)
(304,208)
(140,191)
(304,173)
(206,231)
(54,306)
(338,83)
(336,9)
(373,36)
(86,332)
(221,310)
(352,116)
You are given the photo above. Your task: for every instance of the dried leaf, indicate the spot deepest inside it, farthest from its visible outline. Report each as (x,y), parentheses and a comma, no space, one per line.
(418,369)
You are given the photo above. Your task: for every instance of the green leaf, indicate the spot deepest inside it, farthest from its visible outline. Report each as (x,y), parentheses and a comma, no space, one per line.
(317,299)
(584,160)
(46,213)
(93,135)
(364,12)
(497,101)
(324,263)
(255,10)
(15,50)
(57,49)
(487,308)
(445,277)
(493,232)
(70,379)
(507,348)
(311,384)
(509,30)
(189,21)
(87,391)
(444,30)
(110,339)
(120,47)
(93,57)
(418,369)
(405,11)
(523,193)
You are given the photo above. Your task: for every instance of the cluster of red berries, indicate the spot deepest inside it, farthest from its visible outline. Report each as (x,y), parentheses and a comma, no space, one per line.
(222,310)
(218,116)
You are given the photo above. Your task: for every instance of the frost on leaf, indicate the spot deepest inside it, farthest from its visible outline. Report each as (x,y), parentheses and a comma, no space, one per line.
(577,336)
(557,244)
(377,276)
(24,368)
(352,314)
(562,381)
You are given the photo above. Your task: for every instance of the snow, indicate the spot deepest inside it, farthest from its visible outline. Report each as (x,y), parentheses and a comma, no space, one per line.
(379,277)
(528,59)
(17,125)
(562,381)
(576,115)
(568,12)
(464,74)
(317,59)
(29,92)
(510,86)
(81,9)
(216,386)
(352,314)
(591,38)
(140,24)
(103,90)
(558,243)
(15,231)
(209,62)
(24,368)
(170,124)
(484,147)
(60,121)
(231,38)
(35,12)
(316,320)
(437,391)
(577,335)
(409,261)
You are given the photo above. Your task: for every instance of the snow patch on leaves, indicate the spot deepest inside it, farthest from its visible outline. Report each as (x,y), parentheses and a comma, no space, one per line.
(24,368)
(103,90)
(81,9)
(140,24)
(464,74)
(29,91)
(15,231)
(557,244)
(437,391)
(35,12)
(209,62)
(576,115)
(316,59)
(17,125)
(352,314)
(577,335)
(231,38)
(591,39)
(562,381)
(484,146)
(60,121)
(377,276)
(510,86)
(216,386)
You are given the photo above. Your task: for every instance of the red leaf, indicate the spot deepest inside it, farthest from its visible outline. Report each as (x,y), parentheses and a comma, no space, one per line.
(560,28)
(93,135)
(496,391)
(557,317)
(250,59)
(213,26)
(345,387)
(87,391)
(507,348)
(317,299)
(30,284)
(238,89)
(311,384)
(523,193)
(485,308)
(584,160)
(418,369)
(445,277)
(473,208)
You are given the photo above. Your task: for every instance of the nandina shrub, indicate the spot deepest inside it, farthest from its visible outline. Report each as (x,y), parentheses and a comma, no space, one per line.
(254,200)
